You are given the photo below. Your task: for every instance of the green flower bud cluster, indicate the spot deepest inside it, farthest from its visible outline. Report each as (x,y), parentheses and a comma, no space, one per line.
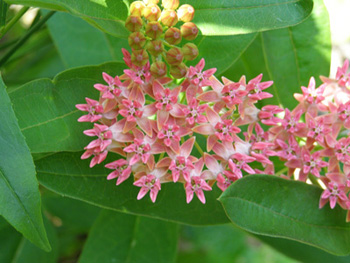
(155,35)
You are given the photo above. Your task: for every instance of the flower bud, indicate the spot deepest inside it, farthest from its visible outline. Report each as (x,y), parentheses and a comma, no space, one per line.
(158,69)
(155,47)
(147,2)
(133,23)
(185,13)
(139,57)
(174,56)
(136,8)
(190,51)
(173,36)
(189,31)
(136,40)
(154,29)
(169,18)
(152,12)
(170,4)
(178,71)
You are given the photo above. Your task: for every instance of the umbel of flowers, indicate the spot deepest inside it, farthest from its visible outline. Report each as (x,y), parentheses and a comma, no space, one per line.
(153,115)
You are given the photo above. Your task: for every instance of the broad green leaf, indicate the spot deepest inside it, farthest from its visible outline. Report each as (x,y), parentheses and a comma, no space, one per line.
(108,16)
(70,211)
(46,109)
(66,174)
(80,44)
(288,56)
(211,244)
(16,249)
(224,244)
(273,206)
(9,240)
(36,59)
(212,17)
(222,52)
(19,192)
(302,252)
(295,54)
(246,16)
(117,237)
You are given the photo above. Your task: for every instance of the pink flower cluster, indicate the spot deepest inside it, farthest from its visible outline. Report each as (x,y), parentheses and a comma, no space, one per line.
(153,123)
(319,147)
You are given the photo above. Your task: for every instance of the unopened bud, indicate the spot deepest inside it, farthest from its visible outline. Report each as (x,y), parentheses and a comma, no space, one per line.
(190,51)
(139,57)
(155,47)
(152,12)
(185,13)
(169,18)
(147,2)
(158,69)
(137,40)
(189,31)
(170,4)
(133,23)
(174,56)
(136,8)
(154,30)
(173,36)
(178,71)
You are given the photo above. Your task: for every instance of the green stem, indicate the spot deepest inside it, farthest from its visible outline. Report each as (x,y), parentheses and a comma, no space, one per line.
(161,156)
(13,21)
(183,98)
(24,38)
(198,148)
(281,171)
(168,45)
(314,181)
(3,11)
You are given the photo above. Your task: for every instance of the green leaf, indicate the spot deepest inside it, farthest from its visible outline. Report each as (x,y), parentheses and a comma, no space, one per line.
(19,192)
(222,52)
(66,174)
(69,212)
(9,240)
(288,56)
(211,244)
(295,54)
(246,16)
(36,59)
(302,252)
(80,44)
(46,109)
(117,237)
(273,206)
(212,17)
(16,249)
(108,16)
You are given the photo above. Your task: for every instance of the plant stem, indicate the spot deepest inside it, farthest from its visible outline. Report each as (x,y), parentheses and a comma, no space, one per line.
(13,21)
(24,38)
(314,181)
(198,148)
(281,171)
(3,11)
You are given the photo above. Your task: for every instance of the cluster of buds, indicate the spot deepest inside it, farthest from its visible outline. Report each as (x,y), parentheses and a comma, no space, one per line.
(155,35)
(199,131)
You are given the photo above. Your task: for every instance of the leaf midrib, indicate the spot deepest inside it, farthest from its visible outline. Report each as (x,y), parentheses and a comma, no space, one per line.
(19,201)
(283,215)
